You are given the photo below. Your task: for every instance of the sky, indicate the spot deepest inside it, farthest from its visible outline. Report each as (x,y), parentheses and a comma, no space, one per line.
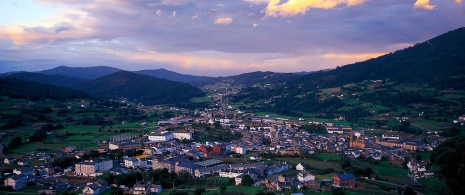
(215,37)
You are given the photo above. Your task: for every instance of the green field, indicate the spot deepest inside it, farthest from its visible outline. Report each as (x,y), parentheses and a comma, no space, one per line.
(201,99)
(380,169)
(434,185)
(245,189)
(385,171)
(430,124)
(326,157)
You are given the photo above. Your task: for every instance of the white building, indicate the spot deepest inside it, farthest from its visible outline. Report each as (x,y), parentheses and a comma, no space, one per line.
(182,135)
(16,181)
(113,146)
(161,137)
(305,176)
(241,150)
(132,162)
(90,167)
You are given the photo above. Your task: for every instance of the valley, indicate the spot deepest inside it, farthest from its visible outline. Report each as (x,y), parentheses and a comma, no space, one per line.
(374,125)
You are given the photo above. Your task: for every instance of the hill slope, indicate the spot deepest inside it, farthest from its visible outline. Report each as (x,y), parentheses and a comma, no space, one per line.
(172,76)
(85,73)
(57,80)
(17,88)
(432,60)
(428,76)
(141,88)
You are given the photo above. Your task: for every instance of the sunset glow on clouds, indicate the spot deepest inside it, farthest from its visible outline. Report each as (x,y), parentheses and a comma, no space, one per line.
(295,7)
(207,37)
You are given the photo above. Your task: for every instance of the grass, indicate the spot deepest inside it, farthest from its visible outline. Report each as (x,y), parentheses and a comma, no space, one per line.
(326,157)
(326,176)
(430,124)
(434,185)
(201,99)
(380,169)
(385,171)
(245,189)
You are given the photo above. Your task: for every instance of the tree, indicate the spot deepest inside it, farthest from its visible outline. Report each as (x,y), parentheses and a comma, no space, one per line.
(175,192)
(15,142)
(109,177)
(247,180)
(199,191)
(409,191)
(222,187)
(66,192)
(337,191)
(116,191)
(64,162)
(451,161)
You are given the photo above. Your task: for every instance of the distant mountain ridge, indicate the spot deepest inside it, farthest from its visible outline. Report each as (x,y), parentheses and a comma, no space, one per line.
(57,80)
(140,88)
(84,73)
(434,65)
(172,76)
(19,88)
(260,77)
(437,58)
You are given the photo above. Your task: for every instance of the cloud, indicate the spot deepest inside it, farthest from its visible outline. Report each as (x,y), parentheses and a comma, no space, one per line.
(458,1)
(357,56)
(84,32)
(63,26)
(423,4)
(295,7)
(224,21)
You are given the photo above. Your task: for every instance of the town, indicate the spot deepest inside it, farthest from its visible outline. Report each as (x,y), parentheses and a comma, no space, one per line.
(278,154)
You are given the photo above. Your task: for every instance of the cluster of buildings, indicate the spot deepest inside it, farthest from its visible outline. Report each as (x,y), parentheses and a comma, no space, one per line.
(171,148)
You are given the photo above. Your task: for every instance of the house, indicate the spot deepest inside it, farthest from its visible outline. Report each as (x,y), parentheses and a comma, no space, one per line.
(344,180)
(155,189)
(140,189)
(216,150)
(277,168)
(241,150)
(161,137)
(305,176)
(182,135)
(24,170)
(272,181)
(48,190)
(312,185)
(201,172)
(91,189)
(95,188)
(16,181)
(124,145)
(132,162)
(90,167)
(68,149)
(23,162)
(301,167)
(9,160)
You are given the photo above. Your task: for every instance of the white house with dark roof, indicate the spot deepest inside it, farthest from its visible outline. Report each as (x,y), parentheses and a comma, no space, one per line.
(16,182)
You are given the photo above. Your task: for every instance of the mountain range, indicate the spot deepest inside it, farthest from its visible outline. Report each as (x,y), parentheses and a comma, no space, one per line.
(140,88)
(438,62)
